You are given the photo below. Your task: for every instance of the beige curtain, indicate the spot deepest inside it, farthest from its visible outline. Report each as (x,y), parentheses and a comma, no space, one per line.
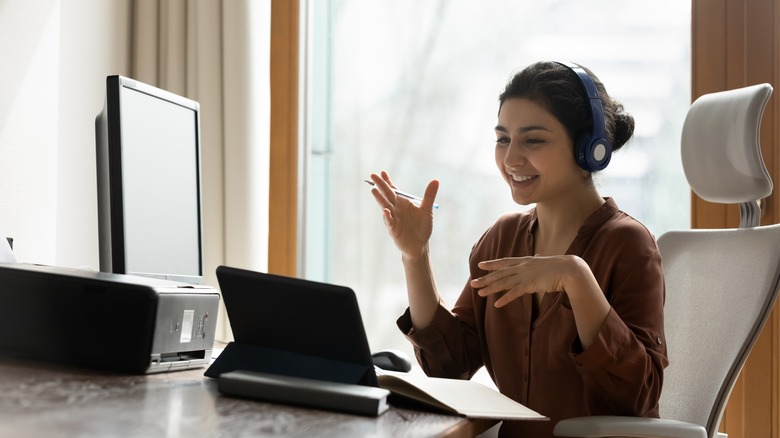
(217,53)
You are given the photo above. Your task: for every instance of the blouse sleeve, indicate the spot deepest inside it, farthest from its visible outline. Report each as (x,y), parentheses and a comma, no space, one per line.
(624,366)
(448,347)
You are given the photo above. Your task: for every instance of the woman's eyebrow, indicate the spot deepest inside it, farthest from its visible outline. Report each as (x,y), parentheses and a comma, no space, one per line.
(523,129)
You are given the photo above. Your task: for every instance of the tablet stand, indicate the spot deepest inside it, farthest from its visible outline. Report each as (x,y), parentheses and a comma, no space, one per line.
(240,356)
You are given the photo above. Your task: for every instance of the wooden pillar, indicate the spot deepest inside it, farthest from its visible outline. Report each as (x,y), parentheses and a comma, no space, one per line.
(283,197)
(736,43)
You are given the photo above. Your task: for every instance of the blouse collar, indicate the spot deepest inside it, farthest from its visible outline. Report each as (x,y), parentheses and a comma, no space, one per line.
(594,221)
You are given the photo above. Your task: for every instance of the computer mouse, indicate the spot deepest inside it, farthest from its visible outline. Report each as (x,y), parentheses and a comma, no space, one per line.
(392,360)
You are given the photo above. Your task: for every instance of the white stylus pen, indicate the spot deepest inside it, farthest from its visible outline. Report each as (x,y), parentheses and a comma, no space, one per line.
(416,199)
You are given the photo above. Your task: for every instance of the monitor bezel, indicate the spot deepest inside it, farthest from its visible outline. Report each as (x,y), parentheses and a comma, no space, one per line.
(111,214)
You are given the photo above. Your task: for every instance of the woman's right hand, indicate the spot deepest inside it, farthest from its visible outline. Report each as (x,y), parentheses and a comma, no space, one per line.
(410,226)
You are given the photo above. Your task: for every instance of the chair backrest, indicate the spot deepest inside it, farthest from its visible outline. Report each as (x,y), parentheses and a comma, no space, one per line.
(720,148)
(720,284)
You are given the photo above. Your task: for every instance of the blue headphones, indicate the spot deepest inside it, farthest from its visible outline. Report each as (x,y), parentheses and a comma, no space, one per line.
(591,150)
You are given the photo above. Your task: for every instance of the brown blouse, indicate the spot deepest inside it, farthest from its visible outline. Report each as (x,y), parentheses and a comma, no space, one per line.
(539,362)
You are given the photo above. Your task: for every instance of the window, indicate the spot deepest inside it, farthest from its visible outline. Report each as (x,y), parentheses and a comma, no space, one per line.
(411,87)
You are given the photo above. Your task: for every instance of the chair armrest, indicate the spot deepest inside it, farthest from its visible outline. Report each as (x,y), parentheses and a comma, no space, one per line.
(615,426)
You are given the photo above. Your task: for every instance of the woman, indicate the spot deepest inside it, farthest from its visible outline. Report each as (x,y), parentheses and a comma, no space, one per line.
(564,303)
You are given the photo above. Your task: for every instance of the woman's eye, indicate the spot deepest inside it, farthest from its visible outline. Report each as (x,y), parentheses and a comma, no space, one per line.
(530,142)
(535,142)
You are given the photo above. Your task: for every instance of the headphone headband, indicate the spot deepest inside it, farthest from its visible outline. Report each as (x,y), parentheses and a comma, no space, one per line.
(593,150)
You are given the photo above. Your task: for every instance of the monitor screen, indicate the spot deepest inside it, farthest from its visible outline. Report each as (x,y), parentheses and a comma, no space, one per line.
(148,168)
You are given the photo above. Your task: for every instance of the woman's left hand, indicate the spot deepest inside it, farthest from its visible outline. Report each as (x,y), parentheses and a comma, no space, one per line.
(518,276)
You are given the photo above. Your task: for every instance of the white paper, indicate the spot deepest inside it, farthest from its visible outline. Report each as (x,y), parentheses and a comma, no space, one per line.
(6,255)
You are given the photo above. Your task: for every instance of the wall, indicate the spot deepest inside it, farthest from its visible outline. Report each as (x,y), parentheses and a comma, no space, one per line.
(55,58)
(93,43)
(29,35)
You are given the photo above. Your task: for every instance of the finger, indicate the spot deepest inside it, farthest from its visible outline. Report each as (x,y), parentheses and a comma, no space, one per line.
(386,177)
(507,291)
(504,295)
(485,280)
(383,185)
(380,199)
(498,280)
(508,297)
(387,217)
(496,284)
(492,265)
(497,264)
(497,273)
(430,195)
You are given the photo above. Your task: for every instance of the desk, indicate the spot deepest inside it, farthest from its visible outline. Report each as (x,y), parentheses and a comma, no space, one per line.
(42,400)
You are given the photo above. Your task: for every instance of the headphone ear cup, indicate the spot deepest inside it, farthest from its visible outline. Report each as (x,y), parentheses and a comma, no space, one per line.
(592,154)
(581,147)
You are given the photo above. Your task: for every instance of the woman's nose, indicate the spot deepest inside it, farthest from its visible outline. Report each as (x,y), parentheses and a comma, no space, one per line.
(515,155)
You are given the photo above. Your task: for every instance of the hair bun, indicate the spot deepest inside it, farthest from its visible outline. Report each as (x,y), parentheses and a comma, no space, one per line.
(624,128)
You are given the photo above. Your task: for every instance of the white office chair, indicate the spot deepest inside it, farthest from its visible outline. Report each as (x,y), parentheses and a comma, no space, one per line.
(720,284)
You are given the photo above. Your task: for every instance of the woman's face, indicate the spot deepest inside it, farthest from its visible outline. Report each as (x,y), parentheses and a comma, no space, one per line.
(534,153)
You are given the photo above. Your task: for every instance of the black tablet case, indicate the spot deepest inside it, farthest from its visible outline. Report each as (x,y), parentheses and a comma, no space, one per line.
(293,327)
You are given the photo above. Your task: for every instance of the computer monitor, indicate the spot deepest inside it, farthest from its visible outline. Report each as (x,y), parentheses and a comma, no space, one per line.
(148,181)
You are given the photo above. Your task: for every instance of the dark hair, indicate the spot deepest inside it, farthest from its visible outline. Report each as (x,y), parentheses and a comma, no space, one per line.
(558,89)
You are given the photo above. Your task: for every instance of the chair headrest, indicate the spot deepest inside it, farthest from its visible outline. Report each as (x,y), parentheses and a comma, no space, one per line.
(721,153)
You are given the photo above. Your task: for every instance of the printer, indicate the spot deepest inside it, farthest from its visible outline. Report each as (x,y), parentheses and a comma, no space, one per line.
(124,323)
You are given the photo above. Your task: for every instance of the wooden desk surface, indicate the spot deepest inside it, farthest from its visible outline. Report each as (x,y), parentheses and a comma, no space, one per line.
(41,400)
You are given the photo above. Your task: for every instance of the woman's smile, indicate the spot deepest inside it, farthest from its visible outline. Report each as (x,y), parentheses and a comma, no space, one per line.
(522,181)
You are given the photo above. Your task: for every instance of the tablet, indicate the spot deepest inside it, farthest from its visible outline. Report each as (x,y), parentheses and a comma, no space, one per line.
(294,327)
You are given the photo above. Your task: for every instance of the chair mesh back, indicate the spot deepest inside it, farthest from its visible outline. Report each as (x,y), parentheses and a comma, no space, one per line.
(720,287)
